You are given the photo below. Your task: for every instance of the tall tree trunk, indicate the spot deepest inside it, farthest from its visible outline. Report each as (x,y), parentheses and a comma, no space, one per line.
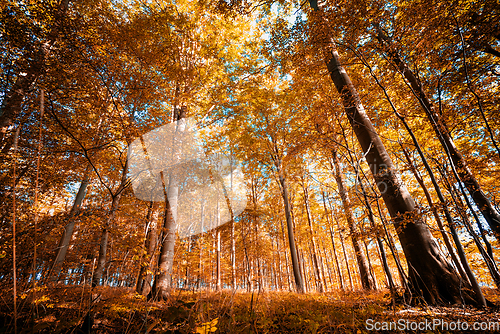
(432,277)
(247,258)
(364,271)
(313,242)
(286,257)
(383,256)
(330,226)
(103,246)
(233,256)
(162,283)
(145,273)
(468,272)
(346,260)
(392,246)
(328,267)
(69,228)
(339,271)
(303,271)
(436,215)
(218,282)
(490,262)
(438,124)
(163,280)
(289,224)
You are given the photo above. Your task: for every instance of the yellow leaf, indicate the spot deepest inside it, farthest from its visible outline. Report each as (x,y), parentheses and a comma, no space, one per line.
(208,327)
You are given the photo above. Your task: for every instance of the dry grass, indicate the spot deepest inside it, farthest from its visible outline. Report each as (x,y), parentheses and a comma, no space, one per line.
(63,309)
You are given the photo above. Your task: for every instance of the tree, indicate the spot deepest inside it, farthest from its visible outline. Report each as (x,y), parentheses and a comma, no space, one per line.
(366,279)
(432,277)
(465,174)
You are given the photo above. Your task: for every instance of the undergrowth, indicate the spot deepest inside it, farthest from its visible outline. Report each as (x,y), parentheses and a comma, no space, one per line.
(65,309)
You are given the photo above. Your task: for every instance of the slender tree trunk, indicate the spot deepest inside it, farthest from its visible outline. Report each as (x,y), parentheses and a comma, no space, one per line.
(69,228)
(364,271)
(322,264)
(464,173)
(103,246)
(140,276)
(339,271)
(303,271)
(342,242)
(330,225)
(458,244)
(328,267)
(383,256)
(490,262)
(432,277)
(218,285)
(218,282)
(233,256)
(280,267)
(291,240)
(370,266)
(313,242)
(436,215)
(145,274)
(286,257)
(163,280)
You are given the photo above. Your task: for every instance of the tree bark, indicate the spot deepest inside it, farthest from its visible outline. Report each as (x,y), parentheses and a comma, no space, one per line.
(383,256)
(299,284)
(319,275)
(330,227)
(218,284)
(103,246)
(145,274)
(432,277)
(163,280)
(467,275)
(68,229)
(364,271)
(465,175)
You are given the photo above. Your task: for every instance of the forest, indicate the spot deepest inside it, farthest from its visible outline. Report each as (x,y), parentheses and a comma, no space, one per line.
(237,166)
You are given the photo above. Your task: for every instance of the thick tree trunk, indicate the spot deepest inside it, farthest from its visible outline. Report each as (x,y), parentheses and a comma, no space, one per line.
(465,174)
(467,275)
(432,277)
(436,215)
(364,271)
(162,283)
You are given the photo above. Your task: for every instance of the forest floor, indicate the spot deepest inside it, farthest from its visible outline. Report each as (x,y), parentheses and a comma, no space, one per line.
(63,309)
